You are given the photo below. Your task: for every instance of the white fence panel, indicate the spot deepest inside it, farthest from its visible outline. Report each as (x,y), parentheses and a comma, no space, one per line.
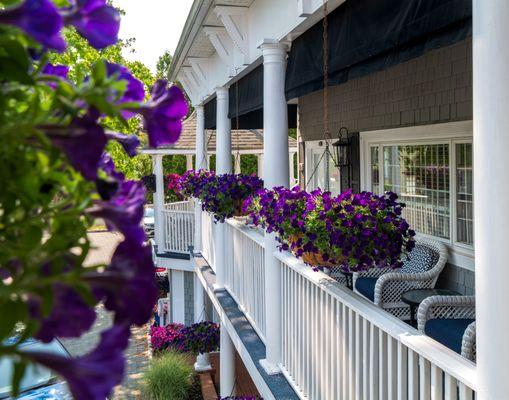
(208,227)
(245,272)
(338,345)
(179,230)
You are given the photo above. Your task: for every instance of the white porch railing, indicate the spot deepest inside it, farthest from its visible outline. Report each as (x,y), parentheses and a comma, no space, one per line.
(338,345)
(335,344)
(179,227)
(208,250)
(245,272)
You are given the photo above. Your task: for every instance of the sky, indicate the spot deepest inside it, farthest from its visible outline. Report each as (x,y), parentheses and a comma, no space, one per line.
(155,24)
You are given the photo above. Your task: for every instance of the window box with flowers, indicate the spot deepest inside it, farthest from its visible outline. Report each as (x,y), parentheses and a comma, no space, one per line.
(354,231)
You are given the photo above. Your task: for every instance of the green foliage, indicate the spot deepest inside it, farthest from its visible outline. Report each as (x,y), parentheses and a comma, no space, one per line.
(80,57)
(163,65)
(169,377)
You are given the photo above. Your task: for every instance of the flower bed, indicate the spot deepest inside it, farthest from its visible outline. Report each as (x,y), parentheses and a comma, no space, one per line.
(202,337)
(223,195)
(354,231)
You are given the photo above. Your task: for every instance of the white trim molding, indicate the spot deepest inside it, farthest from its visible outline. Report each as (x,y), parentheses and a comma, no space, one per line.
(451,133)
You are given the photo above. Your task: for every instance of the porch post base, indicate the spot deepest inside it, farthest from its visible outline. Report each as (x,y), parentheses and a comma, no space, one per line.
(270,368)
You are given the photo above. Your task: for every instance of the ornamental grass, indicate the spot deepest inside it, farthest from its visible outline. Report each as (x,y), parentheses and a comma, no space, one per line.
(354,231)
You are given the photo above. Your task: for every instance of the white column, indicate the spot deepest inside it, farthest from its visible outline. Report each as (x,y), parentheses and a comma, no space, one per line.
(223,133)
(200,163)
(237,163)
(177,297)
(491,194)
(223,166)
(189,162)
(159,204)
(260,165)
(276,162)
(226,363)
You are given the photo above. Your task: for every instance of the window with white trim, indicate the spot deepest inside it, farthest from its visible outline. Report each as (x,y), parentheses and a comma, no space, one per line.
(432,172)
(319,166)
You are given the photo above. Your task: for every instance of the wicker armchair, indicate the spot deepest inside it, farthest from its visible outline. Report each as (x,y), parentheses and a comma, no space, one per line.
(385,286)
(450,320)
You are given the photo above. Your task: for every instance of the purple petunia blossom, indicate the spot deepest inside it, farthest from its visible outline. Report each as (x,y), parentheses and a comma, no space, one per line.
(96,21)
(84,145)
(93,376)
(163,114)
(128,284)
(70,315)
(40,19)
(108,166)
(134,92)
(129,142)
(124,211)
(59,71)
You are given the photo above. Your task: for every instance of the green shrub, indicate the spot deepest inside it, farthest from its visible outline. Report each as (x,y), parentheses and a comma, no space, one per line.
(169,377)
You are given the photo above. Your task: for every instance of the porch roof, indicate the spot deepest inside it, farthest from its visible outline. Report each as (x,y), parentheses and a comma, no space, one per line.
(246,141)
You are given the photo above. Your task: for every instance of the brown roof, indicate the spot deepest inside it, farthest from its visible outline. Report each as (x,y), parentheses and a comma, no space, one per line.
(243,140)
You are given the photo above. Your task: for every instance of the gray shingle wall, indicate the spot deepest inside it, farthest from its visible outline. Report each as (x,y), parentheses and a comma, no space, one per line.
(189,297)
(433,88)
(455,278)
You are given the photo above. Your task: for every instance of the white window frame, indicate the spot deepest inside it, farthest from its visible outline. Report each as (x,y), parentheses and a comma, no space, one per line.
(451,133)
(310,148)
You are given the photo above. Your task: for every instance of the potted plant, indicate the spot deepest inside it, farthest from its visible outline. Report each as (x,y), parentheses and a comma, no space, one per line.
(173,186)
(200,338)
(354,231)
(222,195)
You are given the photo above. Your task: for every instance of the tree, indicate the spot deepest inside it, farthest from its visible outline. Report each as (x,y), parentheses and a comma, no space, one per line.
(80,56)
(163,65)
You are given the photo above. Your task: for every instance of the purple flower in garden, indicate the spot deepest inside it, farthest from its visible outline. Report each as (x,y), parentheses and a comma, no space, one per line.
(107,165)
(124,211)
(163,114)
(70,315)
(96,21)
(128,283)
(134,92)
(40,19)
(93,376)
(84,144)
(59,71)
(129,142)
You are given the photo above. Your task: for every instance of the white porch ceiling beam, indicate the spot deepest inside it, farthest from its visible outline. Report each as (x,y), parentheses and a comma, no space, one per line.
(199,68)
(235,21)
(305,8)
(191,93)
(189,73)
(222,44)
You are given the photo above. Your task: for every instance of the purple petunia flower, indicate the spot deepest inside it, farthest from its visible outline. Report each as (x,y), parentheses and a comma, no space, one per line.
(96,21)
(40,19)
(163,114)
(128,279)
(129,142)
(135,91)
(124,211)
(70,315)
(84,145)
(108,166)
(93,376)
(59,71)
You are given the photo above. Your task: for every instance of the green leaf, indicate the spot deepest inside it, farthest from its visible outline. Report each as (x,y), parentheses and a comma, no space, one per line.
(99,72)
(17,375)
(10,70)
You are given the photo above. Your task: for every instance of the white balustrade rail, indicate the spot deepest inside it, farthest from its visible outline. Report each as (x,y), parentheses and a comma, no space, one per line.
(245,271)
(337,345)
(208,227)
(181,206)
(179,227)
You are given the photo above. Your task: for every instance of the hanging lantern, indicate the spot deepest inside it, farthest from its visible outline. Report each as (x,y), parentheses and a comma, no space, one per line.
(342,149)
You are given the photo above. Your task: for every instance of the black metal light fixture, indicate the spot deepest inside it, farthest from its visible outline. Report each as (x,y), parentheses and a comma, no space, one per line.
(342,149)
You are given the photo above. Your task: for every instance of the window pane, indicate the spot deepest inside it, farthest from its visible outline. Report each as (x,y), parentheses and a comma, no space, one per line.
(420,176)
(334,178)
(375,171)
(464,194)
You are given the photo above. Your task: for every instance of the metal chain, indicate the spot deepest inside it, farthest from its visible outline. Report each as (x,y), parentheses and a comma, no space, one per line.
(237,133)
(326,132)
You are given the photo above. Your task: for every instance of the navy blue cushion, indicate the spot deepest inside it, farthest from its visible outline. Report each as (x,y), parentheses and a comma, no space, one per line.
(366,287)
(449,332)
